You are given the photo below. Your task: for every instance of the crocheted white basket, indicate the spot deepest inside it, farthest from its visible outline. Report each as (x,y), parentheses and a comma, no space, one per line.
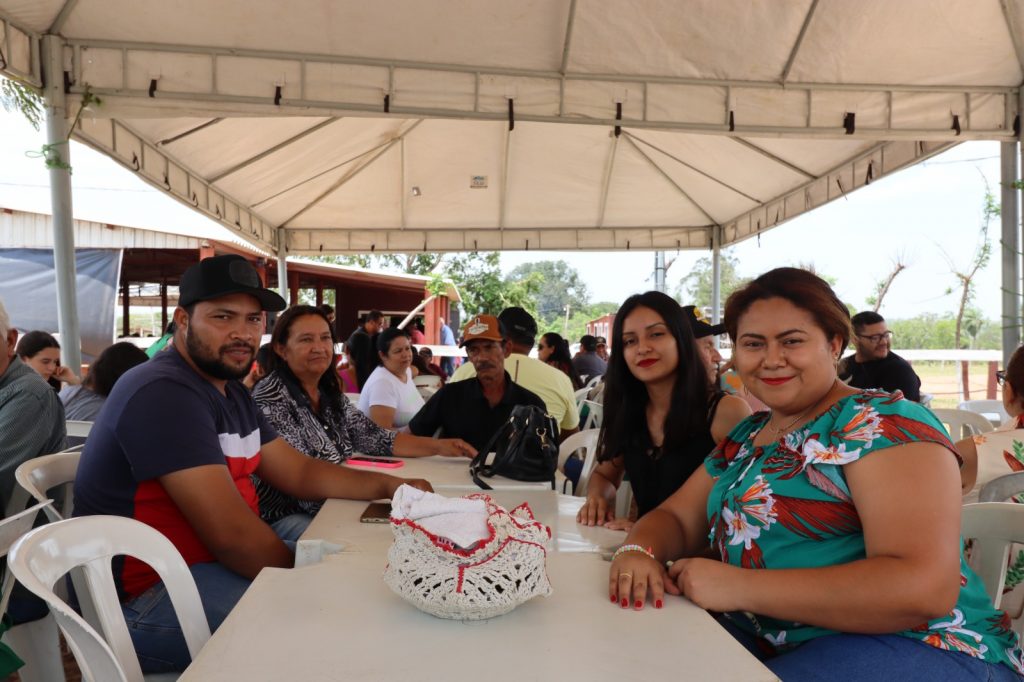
(499,574)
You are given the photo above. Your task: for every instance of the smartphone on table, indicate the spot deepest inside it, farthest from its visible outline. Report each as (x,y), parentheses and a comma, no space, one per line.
(383,462)
(376,512)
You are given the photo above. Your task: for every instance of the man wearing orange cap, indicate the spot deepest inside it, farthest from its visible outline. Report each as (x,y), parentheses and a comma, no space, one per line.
(474,409)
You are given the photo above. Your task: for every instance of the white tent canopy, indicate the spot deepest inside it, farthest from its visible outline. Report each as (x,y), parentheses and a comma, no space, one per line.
(326,126)
(732,115)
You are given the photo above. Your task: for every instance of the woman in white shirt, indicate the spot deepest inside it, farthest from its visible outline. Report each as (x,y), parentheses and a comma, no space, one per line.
(389,397)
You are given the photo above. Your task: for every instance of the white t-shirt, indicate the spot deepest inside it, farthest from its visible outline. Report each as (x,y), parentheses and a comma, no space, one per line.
(384,388)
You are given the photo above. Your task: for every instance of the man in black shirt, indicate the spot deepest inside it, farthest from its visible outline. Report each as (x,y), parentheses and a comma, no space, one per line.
(474,409)
(360,345)
(874,365)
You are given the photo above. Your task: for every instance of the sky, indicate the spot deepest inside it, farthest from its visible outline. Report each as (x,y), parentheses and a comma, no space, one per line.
(928,215)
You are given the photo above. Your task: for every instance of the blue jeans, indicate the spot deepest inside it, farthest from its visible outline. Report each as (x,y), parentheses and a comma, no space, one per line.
(153,624)
(849,657)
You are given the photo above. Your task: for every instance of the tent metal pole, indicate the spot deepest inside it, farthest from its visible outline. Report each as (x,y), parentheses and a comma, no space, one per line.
(58,160)
(716,276)
(282,266)
(1010,251)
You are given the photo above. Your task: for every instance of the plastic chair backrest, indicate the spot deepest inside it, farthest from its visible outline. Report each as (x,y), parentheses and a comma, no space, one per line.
(993,410)
(595,415)
(41,474)
(593,381)
(962,423)
(45,554)
(428,380)
(994,527)
(581,440)
(581,395)
(11,529)
(1002,488)
(78,428)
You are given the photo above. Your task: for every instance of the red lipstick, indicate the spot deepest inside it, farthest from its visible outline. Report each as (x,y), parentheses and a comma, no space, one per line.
(647,363)
(775,381)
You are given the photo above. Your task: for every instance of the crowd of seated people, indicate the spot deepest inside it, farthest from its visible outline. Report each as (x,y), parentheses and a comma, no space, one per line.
(788,524)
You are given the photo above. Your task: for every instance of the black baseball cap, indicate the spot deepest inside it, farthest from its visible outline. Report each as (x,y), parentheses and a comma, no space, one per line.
(699,324)
(222,276)
(518,322)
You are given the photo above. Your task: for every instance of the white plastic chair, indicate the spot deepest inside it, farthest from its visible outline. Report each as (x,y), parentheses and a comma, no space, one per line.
(992,410)
(36,642)
(427,380)
(46,554)
(353,398)
(587,442)
(78,429)
(39,475)
(593,381)
(994,527)
(595,415)
(962,423)
(1002,488)
(580,396)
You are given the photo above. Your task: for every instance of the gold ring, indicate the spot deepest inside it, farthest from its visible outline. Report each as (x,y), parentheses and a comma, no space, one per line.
(625,573)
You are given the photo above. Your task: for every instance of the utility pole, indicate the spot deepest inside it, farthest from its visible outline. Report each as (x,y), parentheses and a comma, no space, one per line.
(659,271)
(565,328)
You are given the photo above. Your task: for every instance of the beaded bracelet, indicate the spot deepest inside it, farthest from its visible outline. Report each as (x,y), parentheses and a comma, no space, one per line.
(633,548)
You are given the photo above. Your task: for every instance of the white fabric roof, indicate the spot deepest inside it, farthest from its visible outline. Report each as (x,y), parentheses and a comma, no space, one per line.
(385,126)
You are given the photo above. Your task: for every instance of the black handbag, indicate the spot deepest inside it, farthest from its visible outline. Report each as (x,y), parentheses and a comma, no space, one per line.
(525,448)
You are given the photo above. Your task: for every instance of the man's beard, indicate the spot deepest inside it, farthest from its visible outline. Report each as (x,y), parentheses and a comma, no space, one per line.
(204,359)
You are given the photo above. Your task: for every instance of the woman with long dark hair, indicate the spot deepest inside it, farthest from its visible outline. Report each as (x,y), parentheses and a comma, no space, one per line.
(554,350)
(390,397)
(40,351)
(83,402)
(302,399)
(662,413)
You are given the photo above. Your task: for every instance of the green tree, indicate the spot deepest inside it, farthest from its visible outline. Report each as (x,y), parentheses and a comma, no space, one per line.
(562,286)
(484,290)
(695,287)
(982,253)
(16,96)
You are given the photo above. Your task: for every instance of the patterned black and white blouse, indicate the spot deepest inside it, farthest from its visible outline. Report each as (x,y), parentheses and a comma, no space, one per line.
(330,435)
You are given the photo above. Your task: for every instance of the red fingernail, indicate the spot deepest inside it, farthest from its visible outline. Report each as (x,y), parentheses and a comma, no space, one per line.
(614,598)
(625,602)
(638,604)
(657,604)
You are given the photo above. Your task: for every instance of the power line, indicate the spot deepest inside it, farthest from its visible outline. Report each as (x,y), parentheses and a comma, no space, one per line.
(99,189)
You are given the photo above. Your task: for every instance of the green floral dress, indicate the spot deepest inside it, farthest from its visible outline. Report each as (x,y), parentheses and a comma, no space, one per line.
(787,505)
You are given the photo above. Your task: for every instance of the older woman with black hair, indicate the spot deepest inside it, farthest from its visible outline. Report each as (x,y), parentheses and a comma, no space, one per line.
(836,516)
(83,402)
(390,397)
(662,413)
(302,399)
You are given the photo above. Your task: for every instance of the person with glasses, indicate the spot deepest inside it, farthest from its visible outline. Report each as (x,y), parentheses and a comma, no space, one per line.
(389,396)
(475,408)
(874,365)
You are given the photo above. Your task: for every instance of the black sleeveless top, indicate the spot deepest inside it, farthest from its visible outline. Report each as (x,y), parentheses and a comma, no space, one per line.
(655,474)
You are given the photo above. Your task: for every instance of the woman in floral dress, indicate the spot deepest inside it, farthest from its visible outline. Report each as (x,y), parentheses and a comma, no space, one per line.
(836,516)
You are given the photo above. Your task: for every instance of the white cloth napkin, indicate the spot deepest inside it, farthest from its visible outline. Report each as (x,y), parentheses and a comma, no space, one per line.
(462,521)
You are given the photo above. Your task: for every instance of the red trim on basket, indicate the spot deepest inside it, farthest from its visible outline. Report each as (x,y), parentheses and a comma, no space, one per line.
(493,509)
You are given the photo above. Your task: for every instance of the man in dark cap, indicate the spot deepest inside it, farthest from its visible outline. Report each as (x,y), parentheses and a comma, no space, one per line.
(552,385)
(175,445)
(705,332)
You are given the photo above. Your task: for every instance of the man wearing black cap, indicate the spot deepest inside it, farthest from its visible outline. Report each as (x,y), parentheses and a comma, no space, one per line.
(175,445)
(552,385)
(586,362)
(705,332)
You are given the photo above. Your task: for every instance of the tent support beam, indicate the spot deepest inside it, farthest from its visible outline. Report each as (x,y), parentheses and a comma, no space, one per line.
(1010,243)
(268,152)
(58,24)
(59,162)
(716,277)
(768,155)
(799,41)
(694,169)
(353,173)
(282,263)
(1018,43)
(570,22)
(506,152)
(606,182)
(661,171)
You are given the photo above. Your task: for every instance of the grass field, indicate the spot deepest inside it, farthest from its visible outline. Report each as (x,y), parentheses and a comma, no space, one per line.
(941,380)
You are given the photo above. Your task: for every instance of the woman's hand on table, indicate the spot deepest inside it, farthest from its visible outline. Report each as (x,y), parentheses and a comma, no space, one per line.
(708,583)
(455,447)
(596,511)
(634,575)
(619,524)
